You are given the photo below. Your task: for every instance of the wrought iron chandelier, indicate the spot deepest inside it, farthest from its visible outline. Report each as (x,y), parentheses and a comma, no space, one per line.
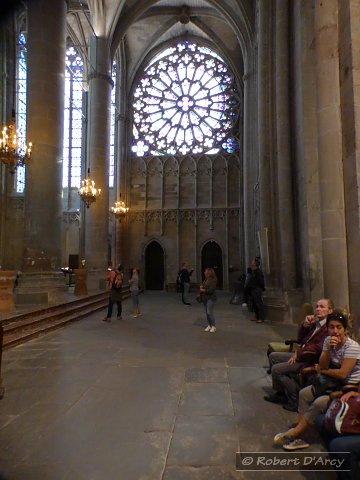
(12,152)
(88,192)
(119,209)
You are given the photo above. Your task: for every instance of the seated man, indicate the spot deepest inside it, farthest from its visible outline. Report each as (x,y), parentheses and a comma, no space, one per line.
(285,365)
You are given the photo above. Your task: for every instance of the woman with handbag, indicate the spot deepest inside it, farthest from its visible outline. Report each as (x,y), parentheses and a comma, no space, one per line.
(208,298)
(339,360)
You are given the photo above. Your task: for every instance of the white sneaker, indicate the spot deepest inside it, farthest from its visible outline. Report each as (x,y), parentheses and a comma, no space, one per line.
(281,438)
(212,329)
(244,305)
(208,328)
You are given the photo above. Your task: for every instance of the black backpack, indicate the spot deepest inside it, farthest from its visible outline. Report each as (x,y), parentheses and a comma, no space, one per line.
(116,284)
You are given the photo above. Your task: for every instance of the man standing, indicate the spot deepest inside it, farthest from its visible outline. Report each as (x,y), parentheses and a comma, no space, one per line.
(185,275)
(256,285)
(115,283)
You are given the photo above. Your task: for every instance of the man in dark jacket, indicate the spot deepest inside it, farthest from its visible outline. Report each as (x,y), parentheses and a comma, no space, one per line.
(185,274)
(256,285)
(285,366)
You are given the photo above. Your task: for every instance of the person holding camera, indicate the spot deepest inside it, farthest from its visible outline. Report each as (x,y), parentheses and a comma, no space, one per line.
(185,273)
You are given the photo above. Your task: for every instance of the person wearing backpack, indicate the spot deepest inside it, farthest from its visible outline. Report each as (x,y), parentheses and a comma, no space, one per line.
(115,283)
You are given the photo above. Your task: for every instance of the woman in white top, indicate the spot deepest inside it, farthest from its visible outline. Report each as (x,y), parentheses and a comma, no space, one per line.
(339,360)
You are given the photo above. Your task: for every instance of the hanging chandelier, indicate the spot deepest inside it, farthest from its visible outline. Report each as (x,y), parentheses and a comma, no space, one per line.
(12,152)
(88,193)
(119,210)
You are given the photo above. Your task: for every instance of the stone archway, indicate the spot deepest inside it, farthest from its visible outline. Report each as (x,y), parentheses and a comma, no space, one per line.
(211,257)
(154,266)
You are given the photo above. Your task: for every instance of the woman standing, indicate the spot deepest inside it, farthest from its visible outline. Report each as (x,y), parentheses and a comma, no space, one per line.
(208,297)
(134,291)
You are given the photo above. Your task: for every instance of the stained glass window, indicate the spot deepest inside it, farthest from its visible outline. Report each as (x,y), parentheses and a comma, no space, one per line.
(73,119)
(21,74)
(112,129)
(186,102)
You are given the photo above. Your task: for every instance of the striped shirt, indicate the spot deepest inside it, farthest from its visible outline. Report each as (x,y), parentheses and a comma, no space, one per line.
(350,349)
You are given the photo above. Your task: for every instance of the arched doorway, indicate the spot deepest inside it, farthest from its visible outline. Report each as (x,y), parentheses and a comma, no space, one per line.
(154,266)
(211,257)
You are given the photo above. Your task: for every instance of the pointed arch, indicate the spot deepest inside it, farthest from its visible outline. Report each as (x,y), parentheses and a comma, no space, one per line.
(211,257)
(154,266)
(203,179)
(154,183)
(187,183)
(171,190)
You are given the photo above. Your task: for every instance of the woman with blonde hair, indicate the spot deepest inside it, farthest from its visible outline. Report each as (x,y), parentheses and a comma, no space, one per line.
(208,297)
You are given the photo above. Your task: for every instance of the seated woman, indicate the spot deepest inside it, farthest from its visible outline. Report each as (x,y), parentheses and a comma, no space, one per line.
(340,360)
(345,448)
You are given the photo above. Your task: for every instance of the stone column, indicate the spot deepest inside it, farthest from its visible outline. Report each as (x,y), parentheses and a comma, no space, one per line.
(123,160)
(349,41)
(285,215)
(305,133)
(330,153)
(45,103)
(265,119)
(97,216)
(250,172)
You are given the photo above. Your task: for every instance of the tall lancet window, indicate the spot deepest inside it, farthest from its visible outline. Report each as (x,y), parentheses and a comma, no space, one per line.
(186,102)
(112,155)
(73,119)
(20,107)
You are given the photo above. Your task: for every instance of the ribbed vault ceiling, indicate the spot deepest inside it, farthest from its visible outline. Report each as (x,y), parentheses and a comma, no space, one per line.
(142,26)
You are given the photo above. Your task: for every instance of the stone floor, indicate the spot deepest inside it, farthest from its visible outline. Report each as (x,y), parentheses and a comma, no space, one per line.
(147,398)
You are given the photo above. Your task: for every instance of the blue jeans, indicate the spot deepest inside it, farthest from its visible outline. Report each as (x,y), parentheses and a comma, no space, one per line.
(345,448)
(135,299)
(209,309)
(110,308)
(185,291)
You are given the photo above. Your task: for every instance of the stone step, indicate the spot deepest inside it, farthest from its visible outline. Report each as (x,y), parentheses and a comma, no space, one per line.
(52,309)
(23,327)
(20,335)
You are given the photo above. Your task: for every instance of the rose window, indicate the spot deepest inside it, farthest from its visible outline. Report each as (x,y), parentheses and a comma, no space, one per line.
(186,102)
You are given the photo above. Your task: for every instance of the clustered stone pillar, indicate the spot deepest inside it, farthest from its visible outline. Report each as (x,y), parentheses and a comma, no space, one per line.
(265,131)
(349,42)
(249,154)
(285,213)
(45,103)
(330,153)
(121,231)
(304,98)
(97,216)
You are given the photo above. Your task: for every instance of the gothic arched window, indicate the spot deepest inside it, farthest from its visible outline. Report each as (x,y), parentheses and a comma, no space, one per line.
(185,102)
(112,127)
(73,119)
(21,75)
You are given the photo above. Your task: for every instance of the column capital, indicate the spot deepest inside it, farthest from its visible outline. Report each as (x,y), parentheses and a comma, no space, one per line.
(101,76)
(247,75)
